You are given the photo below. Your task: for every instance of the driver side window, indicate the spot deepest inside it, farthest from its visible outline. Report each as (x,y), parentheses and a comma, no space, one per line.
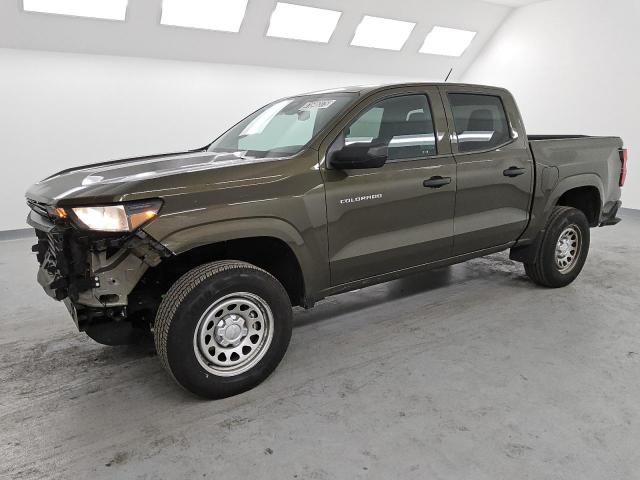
(403,123)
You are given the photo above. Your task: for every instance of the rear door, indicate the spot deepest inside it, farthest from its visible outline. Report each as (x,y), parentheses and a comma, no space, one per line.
(385,219)
(494,167)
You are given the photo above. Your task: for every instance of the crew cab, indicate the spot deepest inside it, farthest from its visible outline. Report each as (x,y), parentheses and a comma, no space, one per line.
(312,195)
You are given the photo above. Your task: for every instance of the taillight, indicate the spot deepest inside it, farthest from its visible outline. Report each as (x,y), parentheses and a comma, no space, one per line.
(623,169)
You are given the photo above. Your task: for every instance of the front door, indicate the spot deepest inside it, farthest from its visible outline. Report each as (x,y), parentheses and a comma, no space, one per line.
(400,215)
(495,168)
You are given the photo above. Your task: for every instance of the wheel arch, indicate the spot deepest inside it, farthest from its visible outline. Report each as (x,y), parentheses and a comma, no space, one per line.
(583,192)
(569,192)
(268,243)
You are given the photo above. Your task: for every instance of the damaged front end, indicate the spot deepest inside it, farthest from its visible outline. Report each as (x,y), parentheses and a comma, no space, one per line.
(94,273)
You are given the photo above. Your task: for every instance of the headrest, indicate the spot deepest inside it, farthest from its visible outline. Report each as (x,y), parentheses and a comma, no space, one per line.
(481,121)
(417,117)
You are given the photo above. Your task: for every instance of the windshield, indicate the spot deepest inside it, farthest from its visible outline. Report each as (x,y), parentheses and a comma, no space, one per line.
(282,128)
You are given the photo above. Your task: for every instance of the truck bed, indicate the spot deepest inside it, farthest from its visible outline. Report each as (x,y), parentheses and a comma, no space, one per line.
(533,138)
(584,160)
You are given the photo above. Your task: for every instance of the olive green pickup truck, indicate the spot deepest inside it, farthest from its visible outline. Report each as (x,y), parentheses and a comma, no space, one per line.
(311,196)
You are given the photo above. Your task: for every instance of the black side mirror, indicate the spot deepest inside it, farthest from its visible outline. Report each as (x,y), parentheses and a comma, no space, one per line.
(360,155)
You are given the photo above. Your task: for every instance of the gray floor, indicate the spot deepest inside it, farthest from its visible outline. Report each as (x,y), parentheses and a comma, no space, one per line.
(465,372)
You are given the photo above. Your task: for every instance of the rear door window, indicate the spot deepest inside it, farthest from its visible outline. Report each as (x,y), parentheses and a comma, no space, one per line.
(480,121)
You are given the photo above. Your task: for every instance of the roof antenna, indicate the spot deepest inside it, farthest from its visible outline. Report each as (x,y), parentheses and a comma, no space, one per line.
(448,75)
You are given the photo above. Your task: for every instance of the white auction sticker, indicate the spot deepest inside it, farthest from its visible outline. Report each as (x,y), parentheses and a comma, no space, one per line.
(317,104)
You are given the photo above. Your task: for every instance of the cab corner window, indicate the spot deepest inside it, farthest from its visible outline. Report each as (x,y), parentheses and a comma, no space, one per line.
(404,123)
(480,121)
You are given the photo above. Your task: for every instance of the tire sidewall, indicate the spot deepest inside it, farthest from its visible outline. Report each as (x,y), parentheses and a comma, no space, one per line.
(182,359)
(551,271)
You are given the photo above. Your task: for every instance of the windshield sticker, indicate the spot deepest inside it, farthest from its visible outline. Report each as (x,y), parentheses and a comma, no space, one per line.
(316,104)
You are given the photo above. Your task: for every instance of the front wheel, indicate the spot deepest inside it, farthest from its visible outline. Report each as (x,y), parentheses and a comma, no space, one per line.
(563,251)
(222,328)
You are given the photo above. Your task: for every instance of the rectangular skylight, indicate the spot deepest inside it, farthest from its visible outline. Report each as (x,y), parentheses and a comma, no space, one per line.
(109,9)
(221,15)
(376,32)
(447,41)
(302,23)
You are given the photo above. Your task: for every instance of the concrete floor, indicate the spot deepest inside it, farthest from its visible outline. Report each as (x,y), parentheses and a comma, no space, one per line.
(465,372)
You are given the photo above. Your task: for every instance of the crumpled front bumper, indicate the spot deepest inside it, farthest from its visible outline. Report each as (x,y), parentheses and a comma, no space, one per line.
(93,276)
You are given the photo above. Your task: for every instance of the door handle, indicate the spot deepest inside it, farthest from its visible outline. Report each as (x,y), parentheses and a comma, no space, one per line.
(514,172)
(436,182)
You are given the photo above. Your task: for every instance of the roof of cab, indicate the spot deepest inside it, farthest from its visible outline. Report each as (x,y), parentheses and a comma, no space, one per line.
(365,89)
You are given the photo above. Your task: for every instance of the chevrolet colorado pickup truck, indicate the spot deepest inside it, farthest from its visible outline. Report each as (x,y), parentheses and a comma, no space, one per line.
(311,196)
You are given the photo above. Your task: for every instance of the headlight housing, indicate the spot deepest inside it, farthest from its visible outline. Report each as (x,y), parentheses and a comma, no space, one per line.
(123,217)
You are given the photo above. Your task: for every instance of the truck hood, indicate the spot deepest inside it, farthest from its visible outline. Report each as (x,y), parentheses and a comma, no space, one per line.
(110,181)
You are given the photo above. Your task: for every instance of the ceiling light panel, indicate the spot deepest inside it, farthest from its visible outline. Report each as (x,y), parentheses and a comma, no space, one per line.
(302,23)
(447,41)
(376,32)
(221,15)
(108,9)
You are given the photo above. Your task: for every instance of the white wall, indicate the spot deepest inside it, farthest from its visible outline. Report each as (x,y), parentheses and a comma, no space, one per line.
(573,66)
(59,110)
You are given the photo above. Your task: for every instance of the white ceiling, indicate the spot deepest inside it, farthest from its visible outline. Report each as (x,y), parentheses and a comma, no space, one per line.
(515,3)
(142,35)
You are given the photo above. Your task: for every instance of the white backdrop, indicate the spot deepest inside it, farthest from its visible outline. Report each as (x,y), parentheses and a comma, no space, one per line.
(59,110)
(573,66)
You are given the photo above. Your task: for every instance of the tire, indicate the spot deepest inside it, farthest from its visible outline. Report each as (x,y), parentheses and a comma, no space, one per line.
(222,328)
(563,250)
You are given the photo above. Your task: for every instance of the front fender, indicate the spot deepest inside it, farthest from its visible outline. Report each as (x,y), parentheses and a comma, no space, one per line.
(312,267)
(206,234)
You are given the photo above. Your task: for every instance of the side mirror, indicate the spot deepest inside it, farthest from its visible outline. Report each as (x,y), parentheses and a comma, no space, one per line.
(360,155)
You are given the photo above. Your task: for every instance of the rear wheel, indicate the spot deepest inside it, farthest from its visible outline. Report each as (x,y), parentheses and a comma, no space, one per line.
(223,328)
(564,249)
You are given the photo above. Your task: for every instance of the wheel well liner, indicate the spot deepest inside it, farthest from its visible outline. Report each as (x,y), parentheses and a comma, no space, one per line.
(587,199)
